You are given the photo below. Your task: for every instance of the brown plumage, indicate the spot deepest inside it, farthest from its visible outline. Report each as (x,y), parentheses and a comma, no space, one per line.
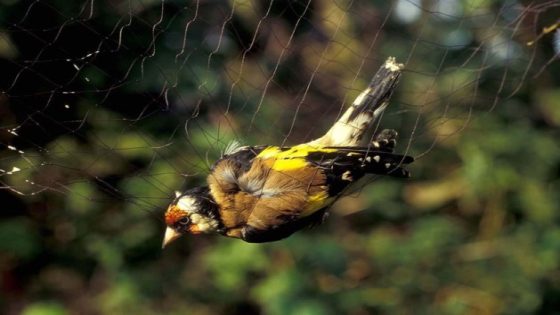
(261,197)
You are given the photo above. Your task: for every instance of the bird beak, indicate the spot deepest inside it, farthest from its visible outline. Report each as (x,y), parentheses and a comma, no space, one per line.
(170,236)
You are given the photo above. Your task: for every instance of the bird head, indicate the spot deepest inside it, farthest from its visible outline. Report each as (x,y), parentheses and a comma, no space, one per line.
(194,212)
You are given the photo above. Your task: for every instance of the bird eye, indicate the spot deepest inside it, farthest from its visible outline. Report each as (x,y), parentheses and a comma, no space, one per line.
(184,221)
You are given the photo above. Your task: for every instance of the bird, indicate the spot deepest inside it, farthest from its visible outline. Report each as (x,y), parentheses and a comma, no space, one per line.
(265,193)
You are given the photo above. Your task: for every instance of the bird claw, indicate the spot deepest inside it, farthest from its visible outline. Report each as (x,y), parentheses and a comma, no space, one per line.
(386,140)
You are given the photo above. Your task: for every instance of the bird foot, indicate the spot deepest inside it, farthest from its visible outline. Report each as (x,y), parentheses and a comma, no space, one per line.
(386,140)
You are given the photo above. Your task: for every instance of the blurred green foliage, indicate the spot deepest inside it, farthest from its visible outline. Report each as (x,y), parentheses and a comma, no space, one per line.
(475,231)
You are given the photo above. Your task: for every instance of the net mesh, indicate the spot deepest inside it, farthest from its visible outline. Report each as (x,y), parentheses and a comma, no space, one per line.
(126,101)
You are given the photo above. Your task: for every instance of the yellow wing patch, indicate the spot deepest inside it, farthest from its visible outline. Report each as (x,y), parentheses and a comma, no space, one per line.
(317,202)
(292,158)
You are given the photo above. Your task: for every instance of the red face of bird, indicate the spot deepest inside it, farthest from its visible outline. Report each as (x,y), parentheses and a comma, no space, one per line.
(187,215)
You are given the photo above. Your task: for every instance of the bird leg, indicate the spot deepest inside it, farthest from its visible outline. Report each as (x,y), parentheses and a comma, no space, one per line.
(386,140)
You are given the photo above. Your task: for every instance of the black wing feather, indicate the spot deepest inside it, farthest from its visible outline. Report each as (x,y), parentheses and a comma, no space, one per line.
(348,164)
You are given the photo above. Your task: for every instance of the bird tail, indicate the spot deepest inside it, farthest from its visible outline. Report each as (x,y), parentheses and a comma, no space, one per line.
(350,128)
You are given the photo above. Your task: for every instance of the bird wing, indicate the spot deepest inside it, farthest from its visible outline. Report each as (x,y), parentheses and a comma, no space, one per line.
(289,194)
(346,165)
(367,159)
(297,184)
(266,188)
(269,193)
